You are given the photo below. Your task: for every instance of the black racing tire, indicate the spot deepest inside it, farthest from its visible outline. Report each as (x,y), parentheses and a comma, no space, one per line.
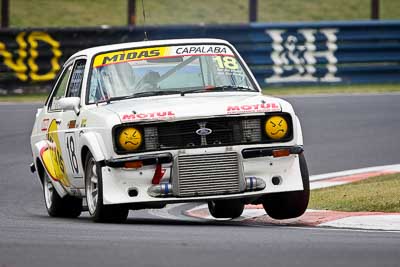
(94,196)
(288,205)
(66,207)
(231,208)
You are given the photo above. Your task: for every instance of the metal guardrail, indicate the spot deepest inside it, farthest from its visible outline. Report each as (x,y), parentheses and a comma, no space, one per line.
(278,54)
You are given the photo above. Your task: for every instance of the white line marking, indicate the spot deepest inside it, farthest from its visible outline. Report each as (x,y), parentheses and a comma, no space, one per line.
(394,167)
(321,184)
(372,222)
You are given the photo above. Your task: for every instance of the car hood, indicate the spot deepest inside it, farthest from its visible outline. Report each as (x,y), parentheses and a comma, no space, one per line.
(177,107)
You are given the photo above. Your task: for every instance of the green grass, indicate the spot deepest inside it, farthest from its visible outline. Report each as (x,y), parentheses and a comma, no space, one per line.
(274,91)
(55,13)
(24,98)
(374,194)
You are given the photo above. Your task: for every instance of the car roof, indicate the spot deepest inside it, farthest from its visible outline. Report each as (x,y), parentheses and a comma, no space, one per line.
(89,52)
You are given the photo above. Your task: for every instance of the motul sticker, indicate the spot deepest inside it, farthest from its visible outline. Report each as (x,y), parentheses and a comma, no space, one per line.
(264,107)
(161,115)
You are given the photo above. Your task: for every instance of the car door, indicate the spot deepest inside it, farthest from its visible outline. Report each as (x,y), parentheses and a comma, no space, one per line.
(50,124)
(69,127)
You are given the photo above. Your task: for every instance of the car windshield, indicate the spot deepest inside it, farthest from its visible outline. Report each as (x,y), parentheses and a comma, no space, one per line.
(162,70)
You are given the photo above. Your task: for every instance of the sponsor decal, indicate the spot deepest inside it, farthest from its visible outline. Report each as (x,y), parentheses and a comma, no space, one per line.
(83,123)
(44,125)
(160,52)
(71,124)
(52,157)
(263,107)
(129,55)
(161,115)
(202,49)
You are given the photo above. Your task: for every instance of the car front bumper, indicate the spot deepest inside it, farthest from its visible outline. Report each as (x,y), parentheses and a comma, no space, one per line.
(122,185)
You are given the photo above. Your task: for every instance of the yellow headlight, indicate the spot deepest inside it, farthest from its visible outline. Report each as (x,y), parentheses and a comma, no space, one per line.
(276,127)
(130,139)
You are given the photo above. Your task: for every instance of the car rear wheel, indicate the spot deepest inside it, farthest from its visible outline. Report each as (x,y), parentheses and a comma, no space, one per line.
(67,207)
(231,208)
(288,205)
(94,196)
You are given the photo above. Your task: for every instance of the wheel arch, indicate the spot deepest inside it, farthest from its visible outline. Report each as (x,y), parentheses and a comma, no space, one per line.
(84,151)
(40,169)
(90,142)
(36,152)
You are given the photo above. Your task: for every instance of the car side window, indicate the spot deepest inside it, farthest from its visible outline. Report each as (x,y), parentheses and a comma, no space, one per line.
(75,85)
(60,89)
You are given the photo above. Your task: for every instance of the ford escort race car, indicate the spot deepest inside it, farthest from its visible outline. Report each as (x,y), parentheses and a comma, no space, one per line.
(144,124)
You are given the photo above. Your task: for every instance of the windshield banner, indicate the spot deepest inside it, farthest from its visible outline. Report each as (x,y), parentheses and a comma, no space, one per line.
(160,52)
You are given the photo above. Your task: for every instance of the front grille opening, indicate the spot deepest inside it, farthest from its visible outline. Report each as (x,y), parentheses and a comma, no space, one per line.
(251,130)
(151,138)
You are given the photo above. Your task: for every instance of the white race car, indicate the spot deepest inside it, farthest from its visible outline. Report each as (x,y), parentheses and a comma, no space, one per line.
(144,124)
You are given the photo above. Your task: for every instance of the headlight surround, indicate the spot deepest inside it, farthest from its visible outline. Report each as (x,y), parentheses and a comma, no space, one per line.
(129,138)
(277,127)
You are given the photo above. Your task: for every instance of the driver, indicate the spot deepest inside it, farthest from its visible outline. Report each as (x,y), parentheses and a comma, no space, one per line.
(149,81)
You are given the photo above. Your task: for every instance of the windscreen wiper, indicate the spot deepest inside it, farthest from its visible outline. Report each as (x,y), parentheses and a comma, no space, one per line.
(219,88)
(115,98)
(153,93)
(142,94)
(198,90)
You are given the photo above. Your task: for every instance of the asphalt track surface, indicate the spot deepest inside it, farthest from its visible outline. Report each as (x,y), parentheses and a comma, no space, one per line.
(340,132)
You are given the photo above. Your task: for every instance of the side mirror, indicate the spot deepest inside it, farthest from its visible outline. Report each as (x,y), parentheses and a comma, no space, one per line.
(69,103)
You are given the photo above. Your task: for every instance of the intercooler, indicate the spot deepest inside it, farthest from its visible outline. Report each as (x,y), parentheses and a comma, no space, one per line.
(207,174)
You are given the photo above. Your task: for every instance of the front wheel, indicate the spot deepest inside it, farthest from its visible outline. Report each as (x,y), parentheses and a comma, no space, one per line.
(231,208)
(288,205)
(94,196)
(66,207)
